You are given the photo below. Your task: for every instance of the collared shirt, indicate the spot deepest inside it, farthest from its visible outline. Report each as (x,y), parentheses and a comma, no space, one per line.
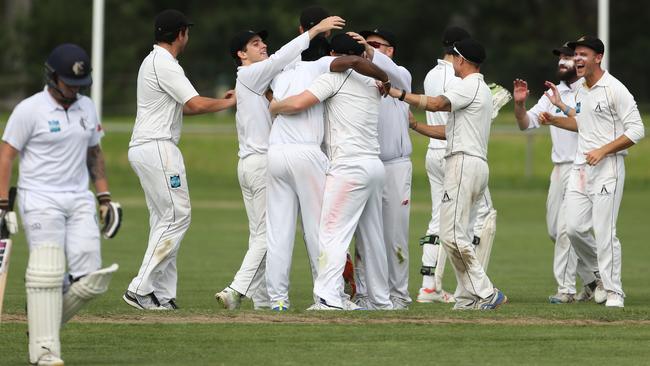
(351,113)
(438,81)
(606,111)
(306,127)
(53,143)
(468,128)
(162,91)
(565,142)
(252,116)
(394,139)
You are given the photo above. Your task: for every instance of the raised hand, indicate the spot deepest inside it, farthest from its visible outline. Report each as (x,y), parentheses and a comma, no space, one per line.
(328,24)
(554,96)
(520,91)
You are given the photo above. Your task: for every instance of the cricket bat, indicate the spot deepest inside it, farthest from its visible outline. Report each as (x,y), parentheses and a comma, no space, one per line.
(5,251)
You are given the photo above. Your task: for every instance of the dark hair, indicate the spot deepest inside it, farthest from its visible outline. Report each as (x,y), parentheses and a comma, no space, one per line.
(169,37)
(448,51)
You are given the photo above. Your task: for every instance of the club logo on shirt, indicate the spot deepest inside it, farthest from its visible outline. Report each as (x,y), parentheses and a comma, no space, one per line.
(175,181)
(578,107)
(598,109)
(82,122)
(446,198)
(55,126)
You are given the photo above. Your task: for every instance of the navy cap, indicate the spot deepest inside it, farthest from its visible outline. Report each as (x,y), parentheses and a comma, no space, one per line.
(383,33)
(312,15)
(71,65)
(169,21)
(470,50)
(346,45)
(239,41)
(563,50)
(588,41)
(452,35)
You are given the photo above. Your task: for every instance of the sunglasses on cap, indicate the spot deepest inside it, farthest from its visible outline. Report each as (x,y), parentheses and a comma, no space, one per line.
(375,44)
(460,54)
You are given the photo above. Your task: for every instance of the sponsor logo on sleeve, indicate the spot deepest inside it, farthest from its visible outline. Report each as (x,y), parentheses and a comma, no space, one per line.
(175,181)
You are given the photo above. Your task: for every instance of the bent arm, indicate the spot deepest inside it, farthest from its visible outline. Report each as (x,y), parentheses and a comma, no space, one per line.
(360,65)
(7,156)
(567,123)
(294,104)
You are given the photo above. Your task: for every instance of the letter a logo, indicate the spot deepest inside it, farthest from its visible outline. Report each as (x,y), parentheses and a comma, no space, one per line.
(445,197)
(598,109)
(603,191)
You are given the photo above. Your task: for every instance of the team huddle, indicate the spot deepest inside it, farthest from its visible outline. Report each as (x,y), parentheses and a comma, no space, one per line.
(323,129)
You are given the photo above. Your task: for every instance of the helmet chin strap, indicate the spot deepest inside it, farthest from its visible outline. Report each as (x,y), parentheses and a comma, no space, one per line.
(61,97)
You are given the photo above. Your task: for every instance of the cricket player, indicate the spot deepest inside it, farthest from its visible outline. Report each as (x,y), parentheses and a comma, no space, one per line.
(56,132)
(164,95)
(608,122)
(255,72)
(395,152)
(354,181)
(466,170)
(564,145)
(297,169)
(439,80)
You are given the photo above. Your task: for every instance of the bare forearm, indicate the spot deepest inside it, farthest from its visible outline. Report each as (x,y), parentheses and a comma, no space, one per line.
(621,143)
(521,116)
(431,104)
(97,168)
(5,176)
(567,123)
(360,65)
(286,106)
(434,132)
(200,105)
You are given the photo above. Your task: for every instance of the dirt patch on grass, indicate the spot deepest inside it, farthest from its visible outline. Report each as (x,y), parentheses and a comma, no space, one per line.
(284,318)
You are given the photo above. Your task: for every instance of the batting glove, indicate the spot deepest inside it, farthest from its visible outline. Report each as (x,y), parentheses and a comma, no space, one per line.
(110,215)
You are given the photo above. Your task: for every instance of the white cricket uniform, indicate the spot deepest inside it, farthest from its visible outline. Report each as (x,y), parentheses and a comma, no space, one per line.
(395,152)
(54,201)
(162,90)
(353,186)
(253,127)
(565,143)
(439,80)
(606,111)
(466,178)
(296,178)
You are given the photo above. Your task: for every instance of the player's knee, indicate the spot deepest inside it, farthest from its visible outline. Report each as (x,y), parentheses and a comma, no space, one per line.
(45,267)
(576,229)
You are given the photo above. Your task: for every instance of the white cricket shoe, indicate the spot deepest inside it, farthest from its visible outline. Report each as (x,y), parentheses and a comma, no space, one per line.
(229,298)
(322,305)
(561,298)
(614,300)
(362,301)
(49,359)
(587,294)
(349,305)
(429,295)
(600,295)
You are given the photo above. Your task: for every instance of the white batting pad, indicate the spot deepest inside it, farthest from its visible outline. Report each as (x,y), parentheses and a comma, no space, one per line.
(484,248)
(43,281)
(86,289)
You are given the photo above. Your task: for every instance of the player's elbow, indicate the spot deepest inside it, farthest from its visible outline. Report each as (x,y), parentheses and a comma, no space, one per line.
(193,106)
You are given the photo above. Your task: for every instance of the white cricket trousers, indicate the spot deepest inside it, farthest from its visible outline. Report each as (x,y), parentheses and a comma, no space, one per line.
(160,167)
(565,260)
(296,181)
(593,199)
(352,201)
(465,182)
(68,219)
(249,280)
(396,205)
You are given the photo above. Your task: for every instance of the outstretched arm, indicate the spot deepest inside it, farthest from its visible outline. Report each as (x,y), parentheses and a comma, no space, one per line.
(199,104)
(293,104)
(434,132)
(567,123)
(431,104)
(360,65)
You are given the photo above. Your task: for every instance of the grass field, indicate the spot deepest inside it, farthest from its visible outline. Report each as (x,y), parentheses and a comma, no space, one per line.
(527,331)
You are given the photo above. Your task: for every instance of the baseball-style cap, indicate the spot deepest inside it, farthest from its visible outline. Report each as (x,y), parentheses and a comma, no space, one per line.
(311,16)
(452,35)
(383,33)
(563,50)
(71,65)
(346,45)
(470,50)
(169,21)
(239,41)
(588,41)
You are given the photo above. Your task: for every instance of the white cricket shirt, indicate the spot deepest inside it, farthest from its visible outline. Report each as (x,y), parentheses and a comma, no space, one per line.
(468,128)
(351,114)
(53,143)
(252,116)
(438,81)
(605,112)
(565,142)
(162,91)
(394,139)
(306,127)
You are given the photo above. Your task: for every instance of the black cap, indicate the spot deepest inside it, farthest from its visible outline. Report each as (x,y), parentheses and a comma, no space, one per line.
(169,21)
(563,50)
(239,41)
(311,16)
(383,33)
(452,35)
(588,41)
(470,50)
(346,45)
(71,65)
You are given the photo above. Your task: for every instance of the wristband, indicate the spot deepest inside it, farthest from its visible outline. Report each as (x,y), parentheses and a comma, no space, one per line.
(423,102)
(103,196)
(567,110)
(402,96)
(4,204)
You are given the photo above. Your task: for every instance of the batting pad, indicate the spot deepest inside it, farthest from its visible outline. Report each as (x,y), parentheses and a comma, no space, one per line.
(43,281)
(86,289)
(484,248)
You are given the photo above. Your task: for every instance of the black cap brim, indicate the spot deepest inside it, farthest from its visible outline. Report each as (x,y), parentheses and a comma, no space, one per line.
(87,81)
(598,48)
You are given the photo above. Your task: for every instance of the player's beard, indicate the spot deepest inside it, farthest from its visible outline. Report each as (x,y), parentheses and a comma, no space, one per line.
(566,75)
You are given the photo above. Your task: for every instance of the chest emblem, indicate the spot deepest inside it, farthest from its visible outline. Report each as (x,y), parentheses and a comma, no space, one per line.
(578,107)
(598,109)
(54,125)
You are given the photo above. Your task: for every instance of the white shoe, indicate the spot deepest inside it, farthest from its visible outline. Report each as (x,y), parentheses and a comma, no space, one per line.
(600,295)
(399,304)
(322,305)
(349,305)
(561,298)
(587,294)
(614,300)
(229,298)
(49,359)
(466,304)
(362,301)
(428,295)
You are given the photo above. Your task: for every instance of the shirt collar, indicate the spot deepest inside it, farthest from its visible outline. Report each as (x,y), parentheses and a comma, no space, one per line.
(603,81)
(477,75)
(54,105)
(164,52)
(445,63)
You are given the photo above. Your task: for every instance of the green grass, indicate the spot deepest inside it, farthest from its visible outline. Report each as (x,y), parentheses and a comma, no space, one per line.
(527,331)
